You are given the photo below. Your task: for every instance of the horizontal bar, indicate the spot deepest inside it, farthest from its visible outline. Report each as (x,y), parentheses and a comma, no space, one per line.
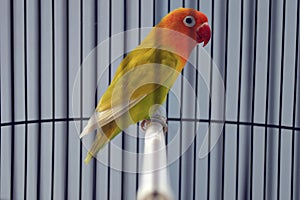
(170,119)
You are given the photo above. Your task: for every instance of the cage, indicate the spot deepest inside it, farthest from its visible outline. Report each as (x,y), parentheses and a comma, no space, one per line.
(255,47)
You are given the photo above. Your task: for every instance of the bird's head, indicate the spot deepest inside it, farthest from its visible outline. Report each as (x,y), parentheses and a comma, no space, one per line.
(188,21)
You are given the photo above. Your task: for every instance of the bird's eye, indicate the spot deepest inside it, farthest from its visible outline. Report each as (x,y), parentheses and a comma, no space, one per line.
(189,21)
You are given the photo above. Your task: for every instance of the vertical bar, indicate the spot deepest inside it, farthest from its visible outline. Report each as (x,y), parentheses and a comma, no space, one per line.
(19,106)
(5,61)
(225,85)
(281,99)
(175,92)
(53,100)
(219,22)
(195,132)
(289,66)
(46,98)
(229,164)
(117,47)
(12,98)
(103,60)
(81,98)
(66,186)
(189,111)
(173,111)
(267,98)
(95,52)
(246,97)
(138,125)
(129,143)
(39,101)
(167,100)
(18,13)
(33,74)
(195,118)
(5,164)
(74,59)
(201,181)
(262,63)
(253,101)
(123,132)
(296,65)
(0,104)
(109,80)
(60,62)
(239,100)
(233,59)
(146,20)
(45,178)
(275,35)
(285,165)
(88,89)
(210,107)
(258,163)
(232,97)
(180,132)
(26,98)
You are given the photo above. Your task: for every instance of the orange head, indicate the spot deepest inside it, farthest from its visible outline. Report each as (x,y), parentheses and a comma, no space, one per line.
(189,22)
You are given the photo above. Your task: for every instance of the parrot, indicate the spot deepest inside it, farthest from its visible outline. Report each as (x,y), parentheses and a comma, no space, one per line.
(146,74)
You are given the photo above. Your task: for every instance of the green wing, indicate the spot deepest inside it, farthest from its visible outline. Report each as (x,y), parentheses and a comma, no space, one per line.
(142,79)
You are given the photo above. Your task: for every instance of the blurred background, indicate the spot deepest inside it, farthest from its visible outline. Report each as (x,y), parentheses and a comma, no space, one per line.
(254,44)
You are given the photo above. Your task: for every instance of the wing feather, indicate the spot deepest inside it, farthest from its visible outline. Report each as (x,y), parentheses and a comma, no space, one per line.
(123,94)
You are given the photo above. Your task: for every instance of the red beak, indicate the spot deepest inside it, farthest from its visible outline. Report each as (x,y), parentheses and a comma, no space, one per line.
(203,33)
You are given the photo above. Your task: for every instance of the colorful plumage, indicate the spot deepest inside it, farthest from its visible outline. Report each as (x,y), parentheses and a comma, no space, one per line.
(146,74)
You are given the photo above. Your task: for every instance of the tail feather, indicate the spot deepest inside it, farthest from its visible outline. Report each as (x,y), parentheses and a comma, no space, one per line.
(91,125)
(100,140)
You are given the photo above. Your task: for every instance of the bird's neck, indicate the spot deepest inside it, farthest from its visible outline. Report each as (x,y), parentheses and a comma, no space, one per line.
(173,41)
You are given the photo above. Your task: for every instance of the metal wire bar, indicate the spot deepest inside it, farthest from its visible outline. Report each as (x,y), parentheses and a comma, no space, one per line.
(53,99)
(39,99)
(210,107)
(96,93)
(239,99)
(12,97)
(0,104)
(295,101)
(225,85)
(122,94)
(253,98)
(67,98)
(195,116)
(170,119)
(81,97)
(180,130)
(281,98)
(137,129)
(109,80)
(267,99)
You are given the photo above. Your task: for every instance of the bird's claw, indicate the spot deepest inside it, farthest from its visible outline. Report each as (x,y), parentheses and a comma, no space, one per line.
(145,123)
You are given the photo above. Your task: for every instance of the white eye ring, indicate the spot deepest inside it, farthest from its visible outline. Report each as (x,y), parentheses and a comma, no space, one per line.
(189,21)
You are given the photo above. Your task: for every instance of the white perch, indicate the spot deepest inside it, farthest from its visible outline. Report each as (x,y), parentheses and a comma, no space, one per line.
(154,182)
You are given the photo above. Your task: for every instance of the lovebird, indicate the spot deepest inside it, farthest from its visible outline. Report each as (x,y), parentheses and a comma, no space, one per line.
(146,74)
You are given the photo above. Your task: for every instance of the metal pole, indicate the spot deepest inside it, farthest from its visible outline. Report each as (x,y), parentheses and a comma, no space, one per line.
(154,176)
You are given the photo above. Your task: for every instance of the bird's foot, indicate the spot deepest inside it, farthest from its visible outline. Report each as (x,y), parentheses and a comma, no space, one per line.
(145,123)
